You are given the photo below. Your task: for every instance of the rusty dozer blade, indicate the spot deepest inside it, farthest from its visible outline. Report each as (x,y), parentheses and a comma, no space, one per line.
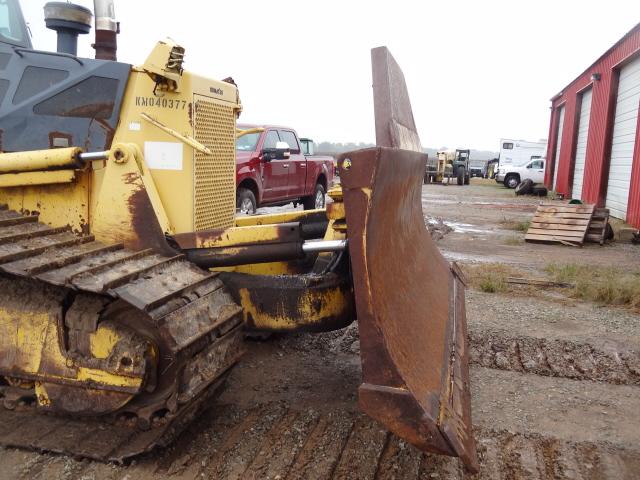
(410,306)
(409,301)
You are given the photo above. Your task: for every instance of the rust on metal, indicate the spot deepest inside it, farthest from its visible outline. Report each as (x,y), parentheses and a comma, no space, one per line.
(410,303)
(106,45)
(282,233)
(109,132)
(410,307)
(90,110)
(395,125)
(245,254)
(125,355)
(246,245)
(293,303)
(148,232)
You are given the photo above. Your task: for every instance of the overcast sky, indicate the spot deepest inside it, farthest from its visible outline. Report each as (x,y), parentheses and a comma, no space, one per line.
(476,70)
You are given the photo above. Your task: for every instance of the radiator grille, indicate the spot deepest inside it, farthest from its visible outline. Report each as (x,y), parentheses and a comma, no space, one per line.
(215,175)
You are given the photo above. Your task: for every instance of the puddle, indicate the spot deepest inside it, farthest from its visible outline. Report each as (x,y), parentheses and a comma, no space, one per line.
(438,223)
(466,228)
(467,258)
(510,205)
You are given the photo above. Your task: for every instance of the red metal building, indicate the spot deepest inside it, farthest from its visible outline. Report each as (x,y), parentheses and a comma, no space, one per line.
(594,134)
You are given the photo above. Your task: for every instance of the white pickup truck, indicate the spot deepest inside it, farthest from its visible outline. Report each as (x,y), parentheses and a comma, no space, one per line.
(511,175)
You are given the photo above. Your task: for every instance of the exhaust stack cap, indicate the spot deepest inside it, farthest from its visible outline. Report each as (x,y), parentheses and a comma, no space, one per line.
(69,21)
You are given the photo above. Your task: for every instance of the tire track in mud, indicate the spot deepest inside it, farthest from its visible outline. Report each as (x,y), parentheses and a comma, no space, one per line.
(601,360)
(518,437)
(279,443)
(609,363)
(371,453)
(258,435)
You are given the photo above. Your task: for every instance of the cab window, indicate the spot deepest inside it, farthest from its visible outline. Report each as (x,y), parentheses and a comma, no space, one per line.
(12,26)
(271,139)
(248,142)
(290,138)
(537,164)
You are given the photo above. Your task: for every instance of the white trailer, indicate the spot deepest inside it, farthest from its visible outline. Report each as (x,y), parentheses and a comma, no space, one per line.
(518,152)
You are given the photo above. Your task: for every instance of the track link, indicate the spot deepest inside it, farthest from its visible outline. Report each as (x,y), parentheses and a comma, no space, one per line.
(184,311)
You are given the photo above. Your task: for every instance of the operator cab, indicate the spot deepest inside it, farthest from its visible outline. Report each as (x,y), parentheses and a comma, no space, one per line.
(55,99)
(13,28)
(462,155)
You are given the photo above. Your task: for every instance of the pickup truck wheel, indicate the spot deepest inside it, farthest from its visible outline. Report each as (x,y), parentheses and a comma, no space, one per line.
(316,200)
(246,201)
(511,181)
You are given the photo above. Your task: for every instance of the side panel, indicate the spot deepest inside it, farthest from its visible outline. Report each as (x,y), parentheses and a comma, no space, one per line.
(56,205)
(275,173)
(581,145)
(314,170)
(624,139)
(556,161)
(297,178)
(196,190)
(169,160)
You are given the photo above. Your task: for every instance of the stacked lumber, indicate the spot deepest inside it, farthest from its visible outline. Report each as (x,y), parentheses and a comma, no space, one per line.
(598,227)
(560,223)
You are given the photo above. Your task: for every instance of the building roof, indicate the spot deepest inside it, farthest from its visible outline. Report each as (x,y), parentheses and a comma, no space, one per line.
(600,58)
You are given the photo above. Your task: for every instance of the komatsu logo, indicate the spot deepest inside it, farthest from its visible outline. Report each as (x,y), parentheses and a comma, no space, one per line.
(216,91)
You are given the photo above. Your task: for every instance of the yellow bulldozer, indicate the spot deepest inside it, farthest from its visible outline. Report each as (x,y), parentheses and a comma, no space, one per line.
(127,283)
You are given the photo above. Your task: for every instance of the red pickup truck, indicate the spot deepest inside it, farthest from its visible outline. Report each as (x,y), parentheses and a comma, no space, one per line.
(273,167)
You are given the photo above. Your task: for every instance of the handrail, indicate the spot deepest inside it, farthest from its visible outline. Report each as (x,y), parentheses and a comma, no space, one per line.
(21,51)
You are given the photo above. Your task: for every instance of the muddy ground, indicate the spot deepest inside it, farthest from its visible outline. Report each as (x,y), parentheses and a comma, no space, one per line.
(556,383)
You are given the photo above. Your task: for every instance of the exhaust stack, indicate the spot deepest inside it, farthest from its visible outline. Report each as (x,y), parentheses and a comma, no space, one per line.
(107,29)
(69,21)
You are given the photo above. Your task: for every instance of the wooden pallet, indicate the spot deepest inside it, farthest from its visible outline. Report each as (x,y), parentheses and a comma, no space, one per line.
(560,223)
(598,227)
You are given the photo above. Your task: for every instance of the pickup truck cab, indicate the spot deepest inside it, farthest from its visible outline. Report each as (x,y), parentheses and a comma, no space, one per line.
(272,169)
(511,175)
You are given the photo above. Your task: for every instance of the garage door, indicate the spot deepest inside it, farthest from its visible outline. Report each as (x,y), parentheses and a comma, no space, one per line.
(581,145)
(558,145)
(623,142)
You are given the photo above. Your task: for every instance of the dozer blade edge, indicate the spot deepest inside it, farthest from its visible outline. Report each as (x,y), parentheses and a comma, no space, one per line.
(410,307)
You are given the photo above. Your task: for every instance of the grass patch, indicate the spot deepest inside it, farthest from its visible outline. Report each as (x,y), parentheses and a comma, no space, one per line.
(485,182)
(488,277)
(513,241)
(603,285)
(518,226)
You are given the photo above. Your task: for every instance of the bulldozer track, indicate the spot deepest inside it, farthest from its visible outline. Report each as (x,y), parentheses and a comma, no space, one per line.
(184,310)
